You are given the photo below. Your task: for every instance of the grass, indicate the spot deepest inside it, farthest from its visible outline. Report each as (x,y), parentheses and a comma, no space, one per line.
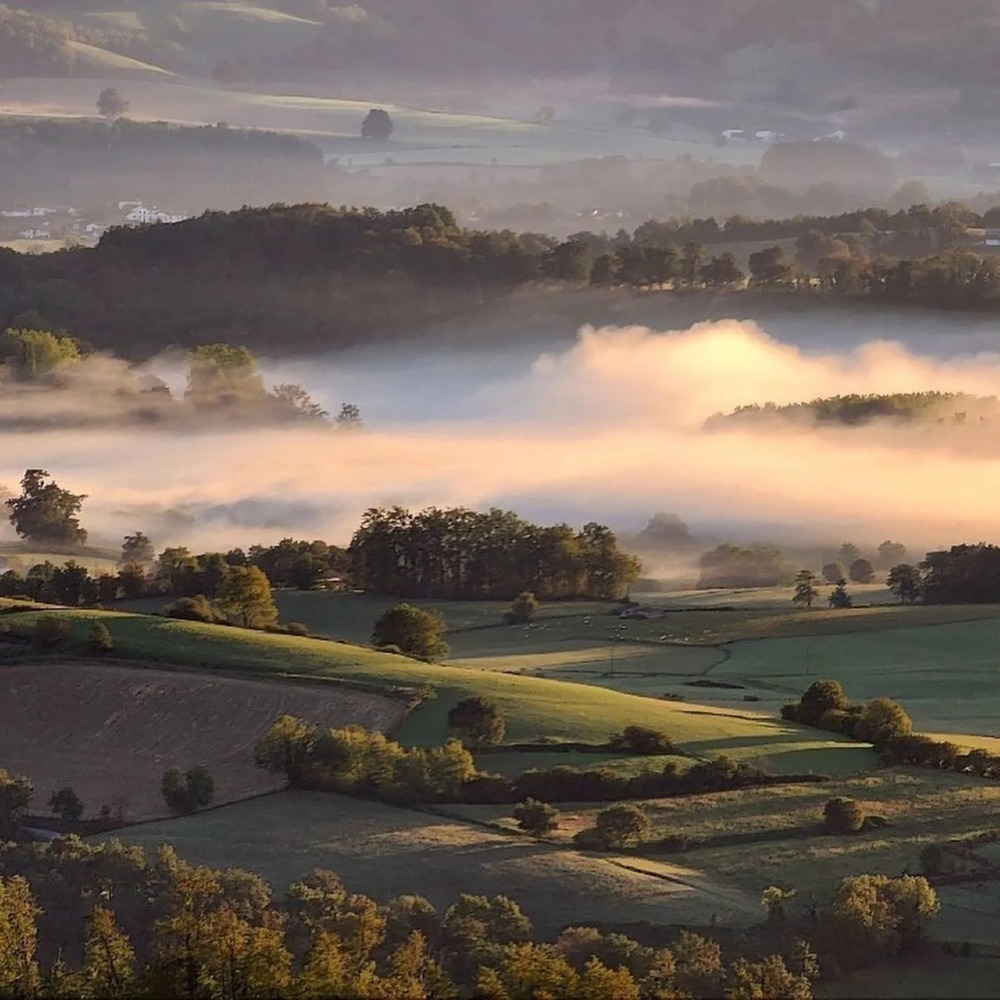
(947,676)
(383,851)
(920,807)
(534,707)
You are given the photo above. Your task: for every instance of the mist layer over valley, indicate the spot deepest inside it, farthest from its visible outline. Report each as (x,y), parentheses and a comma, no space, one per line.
(608,427)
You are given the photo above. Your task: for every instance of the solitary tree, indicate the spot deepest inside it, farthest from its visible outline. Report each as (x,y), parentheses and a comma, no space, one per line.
(622,826)
(99,641)
(832,572)
(187,791)
(840,598)
(478,721)
(904,582)
(805,588)
(773,900)
(111,104)
(246,598)
(46,513)
(861,571)
(67,805)
(349,418)
(377,125)
(536,818)
(415,631)
(848,553)
(891,553)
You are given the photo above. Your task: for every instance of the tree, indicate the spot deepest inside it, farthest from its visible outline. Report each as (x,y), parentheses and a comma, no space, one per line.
(773,899)
(840,598)
(478,721)
(622,825)
(246,598)
(349,418)
(108,957)
(769,268)
(111,104)
(67,805)
(223,375)
(770,978)
(34,354)
(46,513)
(191,609)
(187,791)
(137,550)
(843,815)
(18,938)
(904,581)
(523,608)
(861,571)
(880,720)
(819,698)
(848,553)
(15,797)
(285,748)
(294,400)
(642,740)
(49,633)
(832,572)
(722,272)
(377,125)
(805,588)
(891,554)
(536,818)
(417,632)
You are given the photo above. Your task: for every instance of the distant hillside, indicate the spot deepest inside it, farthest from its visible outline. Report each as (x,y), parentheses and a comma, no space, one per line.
(808,52)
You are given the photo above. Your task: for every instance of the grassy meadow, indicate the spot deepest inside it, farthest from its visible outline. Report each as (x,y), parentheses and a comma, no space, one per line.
(384,851)
(535,708)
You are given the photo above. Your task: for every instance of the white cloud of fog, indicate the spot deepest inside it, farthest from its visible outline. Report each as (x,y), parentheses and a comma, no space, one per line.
(610,428)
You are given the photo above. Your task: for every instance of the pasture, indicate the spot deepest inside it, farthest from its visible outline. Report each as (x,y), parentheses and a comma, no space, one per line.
(384,851)
(110,732)
(535,708)
(758,837)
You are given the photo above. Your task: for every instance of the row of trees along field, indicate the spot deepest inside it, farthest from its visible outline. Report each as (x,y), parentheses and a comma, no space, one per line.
(105,920)
(327,276)
(462,554)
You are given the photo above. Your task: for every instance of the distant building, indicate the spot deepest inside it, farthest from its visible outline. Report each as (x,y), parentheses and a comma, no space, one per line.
(141,215)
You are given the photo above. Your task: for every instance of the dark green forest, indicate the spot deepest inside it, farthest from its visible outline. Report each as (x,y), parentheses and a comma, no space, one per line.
(304,278)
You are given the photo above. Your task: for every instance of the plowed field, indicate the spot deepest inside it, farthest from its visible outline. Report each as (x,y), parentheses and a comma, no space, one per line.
(110,732)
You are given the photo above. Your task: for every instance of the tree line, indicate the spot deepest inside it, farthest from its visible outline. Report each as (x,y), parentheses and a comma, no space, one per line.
(463,554)
(332,277)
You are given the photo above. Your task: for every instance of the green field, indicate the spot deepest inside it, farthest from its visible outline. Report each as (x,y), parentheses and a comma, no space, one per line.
(383,851)
(535,708)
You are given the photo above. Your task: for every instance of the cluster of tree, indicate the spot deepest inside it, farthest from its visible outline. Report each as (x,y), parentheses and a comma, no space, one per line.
(89,163)
(730,565)
(187,791)
(856,410)
(461,554)
(963,574)
(825,706)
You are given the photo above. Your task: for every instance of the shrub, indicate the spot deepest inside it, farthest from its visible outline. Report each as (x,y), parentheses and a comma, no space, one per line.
(191,609)
(843,815)
(622,826)
(932,859)
(297,628)
(523,609)
(99,640)
(674,843)
(536,818)
(50,632)
(589,840)
(478,721)
(820,697)
(880,720)
(642,740)
(66,804)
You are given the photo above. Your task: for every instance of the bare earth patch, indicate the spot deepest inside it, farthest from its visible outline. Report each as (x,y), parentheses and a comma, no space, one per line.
(110,732)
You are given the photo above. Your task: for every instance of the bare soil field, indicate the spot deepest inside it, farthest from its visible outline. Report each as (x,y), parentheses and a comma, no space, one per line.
(110,732)
(384,851)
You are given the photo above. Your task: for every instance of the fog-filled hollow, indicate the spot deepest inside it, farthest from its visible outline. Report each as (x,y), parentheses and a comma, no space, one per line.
(611,428)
